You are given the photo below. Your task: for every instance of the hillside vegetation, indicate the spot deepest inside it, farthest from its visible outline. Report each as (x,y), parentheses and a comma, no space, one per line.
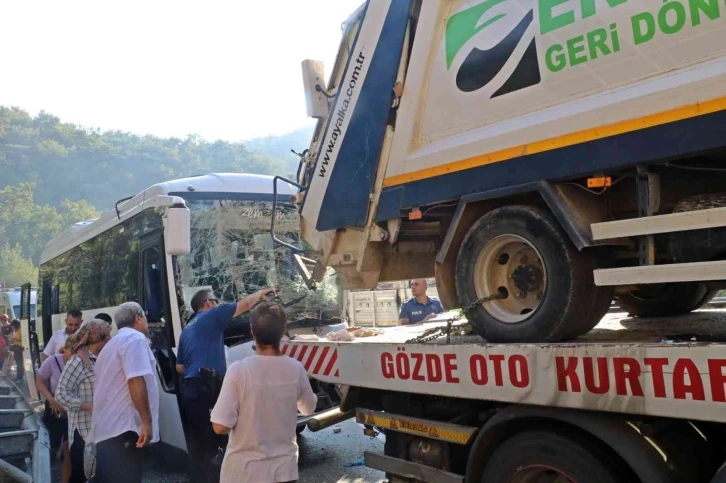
(56,173)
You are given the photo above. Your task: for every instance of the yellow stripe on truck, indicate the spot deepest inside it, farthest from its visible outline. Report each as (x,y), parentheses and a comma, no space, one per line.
(623,127)
(449,432)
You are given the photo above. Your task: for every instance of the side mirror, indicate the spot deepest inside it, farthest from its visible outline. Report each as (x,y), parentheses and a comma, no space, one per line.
(314,84)
(177,231)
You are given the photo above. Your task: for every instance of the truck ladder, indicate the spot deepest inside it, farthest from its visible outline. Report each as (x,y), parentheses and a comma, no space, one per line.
(648,274)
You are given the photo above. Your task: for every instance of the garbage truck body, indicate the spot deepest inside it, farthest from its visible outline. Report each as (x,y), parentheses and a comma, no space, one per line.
(539,158)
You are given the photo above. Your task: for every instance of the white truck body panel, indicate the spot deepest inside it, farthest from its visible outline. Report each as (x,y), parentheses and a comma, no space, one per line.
(439,124)
(607,371)
(494,88)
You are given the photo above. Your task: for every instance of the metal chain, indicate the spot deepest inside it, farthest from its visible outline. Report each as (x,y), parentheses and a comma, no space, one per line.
(436,332)
(488,298)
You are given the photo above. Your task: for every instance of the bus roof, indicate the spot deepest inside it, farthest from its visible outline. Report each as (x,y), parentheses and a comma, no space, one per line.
(193,187)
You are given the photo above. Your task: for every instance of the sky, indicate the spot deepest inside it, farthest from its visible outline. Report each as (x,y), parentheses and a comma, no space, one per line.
(222,69)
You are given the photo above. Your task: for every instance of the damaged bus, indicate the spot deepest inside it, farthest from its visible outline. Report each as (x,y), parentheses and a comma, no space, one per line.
(162,245)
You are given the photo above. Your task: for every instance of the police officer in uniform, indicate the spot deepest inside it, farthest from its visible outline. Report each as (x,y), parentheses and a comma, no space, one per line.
(201,360)
(420,307)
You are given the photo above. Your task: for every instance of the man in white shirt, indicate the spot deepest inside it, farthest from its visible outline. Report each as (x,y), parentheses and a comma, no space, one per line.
(74,319)
(125,400)
(261,396)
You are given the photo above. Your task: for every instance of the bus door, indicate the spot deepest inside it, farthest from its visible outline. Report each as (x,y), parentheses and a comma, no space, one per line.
(154,300)
(31,349)
(46,309)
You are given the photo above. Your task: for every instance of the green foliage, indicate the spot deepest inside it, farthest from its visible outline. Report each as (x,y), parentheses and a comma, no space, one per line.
(279,147)
(15,269)
(54,174)
(66,161)
(29,226)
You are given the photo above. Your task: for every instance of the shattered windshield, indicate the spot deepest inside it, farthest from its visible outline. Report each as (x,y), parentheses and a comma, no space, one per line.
(232,253)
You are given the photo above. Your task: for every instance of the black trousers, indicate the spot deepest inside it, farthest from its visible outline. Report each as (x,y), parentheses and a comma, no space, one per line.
(198,399)
(118,460)
(78,473)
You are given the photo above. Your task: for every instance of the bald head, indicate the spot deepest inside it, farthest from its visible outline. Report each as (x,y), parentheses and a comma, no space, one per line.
(418,287)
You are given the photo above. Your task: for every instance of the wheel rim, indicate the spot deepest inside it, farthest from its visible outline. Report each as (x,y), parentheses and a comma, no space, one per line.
(541,474)
(511,266)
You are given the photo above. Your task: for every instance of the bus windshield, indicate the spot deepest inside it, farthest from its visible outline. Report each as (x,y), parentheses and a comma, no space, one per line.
(233,254)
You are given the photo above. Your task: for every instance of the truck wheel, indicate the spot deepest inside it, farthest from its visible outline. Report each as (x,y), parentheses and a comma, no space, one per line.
(600,306)
(551,457)
(546,285)
(665,299)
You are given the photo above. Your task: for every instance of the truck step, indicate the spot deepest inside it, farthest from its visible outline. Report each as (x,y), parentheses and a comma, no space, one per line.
(651,225)
(409,469)
(678,272)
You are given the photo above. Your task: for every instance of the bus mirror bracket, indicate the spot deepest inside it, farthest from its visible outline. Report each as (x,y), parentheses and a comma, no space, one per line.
(276,240)
(177,231)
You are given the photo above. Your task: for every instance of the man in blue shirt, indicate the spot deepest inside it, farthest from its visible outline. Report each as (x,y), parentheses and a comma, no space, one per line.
(201,346)
(420,307)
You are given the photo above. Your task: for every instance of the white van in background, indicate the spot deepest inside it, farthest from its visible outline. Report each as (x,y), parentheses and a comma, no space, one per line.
(10,303)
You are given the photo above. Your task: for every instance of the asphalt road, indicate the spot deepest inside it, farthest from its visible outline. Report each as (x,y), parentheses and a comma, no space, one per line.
(323,458)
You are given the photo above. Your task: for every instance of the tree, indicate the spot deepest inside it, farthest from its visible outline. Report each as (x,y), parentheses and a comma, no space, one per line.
(30,226)
(55,174)
(66,161)
(15,269)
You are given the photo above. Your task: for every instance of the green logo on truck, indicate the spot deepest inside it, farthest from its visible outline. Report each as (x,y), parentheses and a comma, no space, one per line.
(480,67)
(564,49)
(671,17)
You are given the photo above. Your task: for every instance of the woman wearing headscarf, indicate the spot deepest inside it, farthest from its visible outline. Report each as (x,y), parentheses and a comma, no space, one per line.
(75,389)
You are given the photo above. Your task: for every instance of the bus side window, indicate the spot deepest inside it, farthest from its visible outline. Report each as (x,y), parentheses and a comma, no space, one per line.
(152,283)
(46,311)
(55,300)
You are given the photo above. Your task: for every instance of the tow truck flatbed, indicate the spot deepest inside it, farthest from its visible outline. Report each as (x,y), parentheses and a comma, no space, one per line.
(668,367)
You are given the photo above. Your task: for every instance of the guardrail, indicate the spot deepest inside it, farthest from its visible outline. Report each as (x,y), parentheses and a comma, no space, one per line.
(24,442)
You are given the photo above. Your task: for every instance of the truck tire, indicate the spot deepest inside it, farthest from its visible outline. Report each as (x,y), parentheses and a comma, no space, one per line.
(547,288)
(600,306)
(665,299)
(550,456)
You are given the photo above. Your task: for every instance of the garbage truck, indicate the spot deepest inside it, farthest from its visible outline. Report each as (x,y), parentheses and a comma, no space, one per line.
(540,159)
